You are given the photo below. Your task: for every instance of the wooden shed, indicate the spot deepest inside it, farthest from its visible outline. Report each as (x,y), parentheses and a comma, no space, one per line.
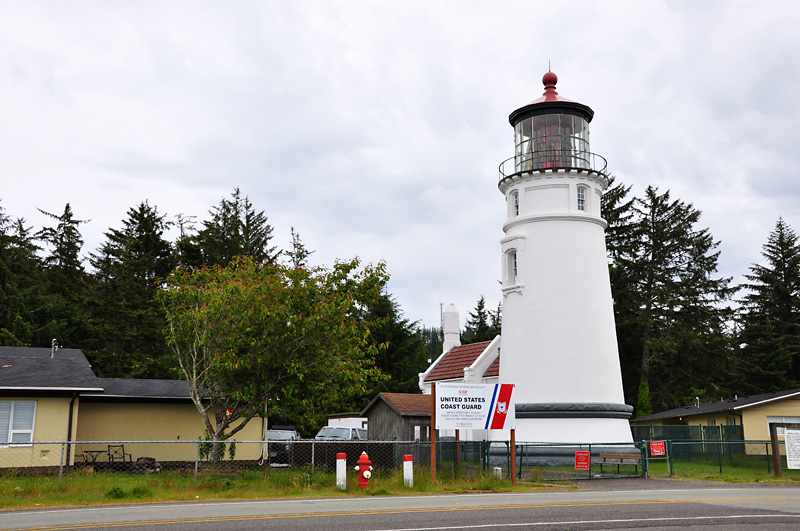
(399,417)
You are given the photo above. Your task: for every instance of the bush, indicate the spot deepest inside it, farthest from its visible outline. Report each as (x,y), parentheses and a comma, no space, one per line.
(115,493)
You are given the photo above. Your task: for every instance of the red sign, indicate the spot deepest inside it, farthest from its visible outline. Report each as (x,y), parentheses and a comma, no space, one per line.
(582,460)
(658,448)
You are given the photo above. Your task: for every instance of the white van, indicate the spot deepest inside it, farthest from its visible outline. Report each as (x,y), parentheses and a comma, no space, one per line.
(341,433)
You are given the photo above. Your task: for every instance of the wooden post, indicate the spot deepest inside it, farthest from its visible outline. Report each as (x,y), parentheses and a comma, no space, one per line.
(776,449)
(433,433)
(513,457)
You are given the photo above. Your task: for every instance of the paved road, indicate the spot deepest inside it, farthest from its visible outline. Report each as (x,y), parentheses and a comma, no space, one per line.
(607,504)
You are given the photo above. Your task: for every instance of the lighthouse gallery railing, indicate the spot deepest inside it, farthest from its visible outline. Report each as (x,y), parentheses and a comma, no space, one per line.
(553,159)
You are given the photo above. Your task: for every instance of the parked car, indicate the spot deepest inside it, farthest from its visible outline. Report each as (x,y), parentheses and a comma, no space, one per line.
(341,433)
(281,451)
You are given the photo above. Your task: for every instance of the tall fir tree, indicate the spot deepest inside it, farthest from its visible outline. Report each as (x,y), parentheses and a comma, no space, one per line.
(187,250)
(769,336)
(62,314)
(236,229)
(299,253)
(405,352)
(433,338)
(22,288)
(478,327)
(127,339)
(669,304)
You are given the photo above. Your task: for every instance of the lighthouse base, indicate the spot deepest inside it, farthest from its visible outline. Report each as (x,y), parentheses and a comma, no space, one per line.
(573,430)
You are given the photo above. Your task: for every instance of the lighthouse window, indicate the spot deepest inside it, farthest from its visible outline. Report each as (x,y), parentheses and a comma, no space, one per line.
(582,198)
(511,266)
(515,203)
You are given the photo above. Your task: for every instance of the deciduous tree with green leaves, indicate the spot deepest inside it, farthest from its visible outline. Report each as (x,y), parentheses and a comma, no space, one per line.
(255,337)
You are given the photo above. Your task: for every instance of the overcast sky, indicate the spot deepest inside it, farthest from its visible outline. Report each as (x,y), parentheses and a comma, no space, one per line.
(375,128)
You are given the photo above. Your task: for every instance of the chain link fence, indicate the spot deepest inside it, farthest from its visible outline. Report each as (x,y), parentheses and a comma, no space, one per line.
(536,462)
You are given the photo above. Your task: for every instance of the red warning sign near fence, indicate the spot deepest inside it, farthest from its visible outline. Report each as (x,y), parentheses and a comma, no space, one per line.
(658,448)
(582,460)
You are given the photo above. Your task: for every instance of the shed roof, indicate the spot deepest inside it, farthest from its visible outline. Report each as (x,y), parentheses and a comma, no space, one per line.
(405,404)
(453,363)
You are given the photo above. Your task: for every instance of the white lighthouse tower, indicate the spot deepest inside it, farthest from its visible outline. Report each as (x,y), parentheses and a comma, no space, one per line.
(559,339)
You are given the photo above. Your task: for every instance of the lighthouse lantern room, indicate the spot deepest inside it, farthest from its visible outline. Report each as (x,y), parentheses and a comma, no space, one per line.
(559,342)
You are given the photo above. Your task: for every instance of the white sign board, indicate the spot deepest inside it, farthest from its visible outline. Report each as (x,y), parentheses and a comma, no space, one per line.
(474,406)
(791,437)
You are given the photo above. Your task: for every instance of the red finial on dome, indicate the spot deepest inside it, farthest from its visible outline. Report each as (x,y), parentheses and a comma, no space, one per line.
(549,80)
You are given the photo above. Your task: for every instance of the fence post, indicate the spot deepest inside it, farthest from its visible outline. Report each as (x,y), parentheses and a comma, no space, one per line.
(196,457)
(769,470)
(644,455)
(61,465)
(670,462)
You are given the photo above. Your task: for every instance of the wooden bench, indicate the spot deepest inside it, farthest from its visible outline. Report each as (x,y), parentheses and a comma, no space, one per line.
(618,459)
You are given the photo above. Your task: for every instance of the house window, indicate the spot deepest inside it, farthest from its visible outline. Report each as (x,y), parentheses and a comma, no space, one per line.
(16,422)
(781,420)
(582,198)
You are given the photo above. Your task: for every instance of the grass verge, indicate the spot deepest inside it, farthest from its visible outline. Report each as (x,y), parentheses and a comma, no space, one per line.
(81,488)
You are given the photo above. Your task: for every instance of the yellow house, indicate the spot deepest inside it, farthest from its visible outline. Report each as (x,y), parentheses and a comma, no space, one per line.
(52,395)
(753,413)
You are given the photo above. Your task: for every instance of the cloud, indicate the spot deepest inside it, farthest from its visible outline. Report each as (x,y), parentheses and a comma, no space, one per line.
(376,128)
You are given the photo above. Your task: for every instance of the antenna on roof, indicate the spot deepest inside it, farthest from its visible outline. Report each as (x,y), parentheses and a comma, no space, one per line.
(53,347)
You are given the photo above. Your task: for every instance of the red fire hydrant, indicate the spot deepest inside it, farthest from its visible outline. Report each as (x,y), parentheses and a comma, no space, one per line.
(364,470)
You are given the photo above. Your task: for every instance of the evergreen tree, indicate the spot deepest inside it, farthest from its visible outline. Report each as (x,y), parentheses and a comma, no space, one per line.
(127,339)
(405,352)
(617,210)
(496,321)
(668,304)
(62,314)
(236,229)
(477,327)
(187,250)
(770,317)
(21,283)
(299,253)
(434,340)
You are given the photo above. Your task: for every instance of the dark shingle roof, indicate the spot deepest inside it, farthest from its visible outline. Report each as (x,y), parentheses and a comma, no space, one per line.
(731,404)
(144,388)
(404,403)
(29,369)
(32,370)
(453,363)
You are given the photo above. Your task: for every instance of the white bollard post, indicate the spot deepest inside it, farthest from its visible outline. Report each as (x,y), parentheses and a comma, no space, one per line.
(408,470)
(341,471)
(498,472)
